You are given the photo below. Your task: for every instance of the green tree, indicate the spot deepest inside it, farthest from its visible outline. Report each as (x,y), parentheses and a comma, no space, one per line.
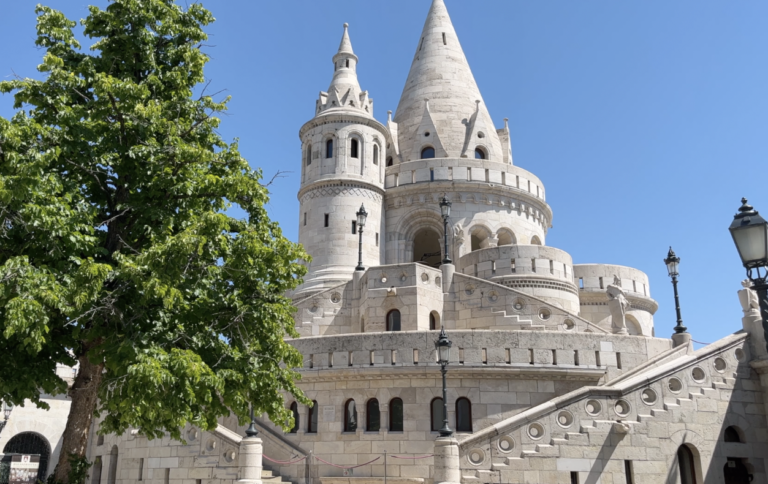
(116,251)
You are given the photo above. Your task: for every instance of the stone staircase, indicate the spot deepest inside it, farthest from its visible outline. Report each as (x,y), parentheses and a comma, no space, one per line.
(273,477)
(510,321)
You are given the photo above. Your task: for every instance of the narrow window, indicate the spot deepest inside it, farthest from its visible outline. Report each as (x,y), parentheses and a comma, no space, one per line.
(529,186)
(377,239)
(329,148)
(330,360)
(141,469)
(645,293)
(618,360)
(574,478)
(551,266)
(601,282)
(461,356)
(352,353)
(347,63)
(312,418)
(354,227)
(450,173)
(512,266)
(533,265)
(373,357)
(484,355)
(427,153)
(508,356)
(432,321)
(100,440)
(493,267)
(295,413)
(305,218)
(487,176)
(326,220)
(311,361)
(576,357)
(634,286)
(479,154)
(530,356)
(431,174)
(415,356)
(393,356)
(372,416)
(444,42)
(436,413)
(167,478)
(309,155)
(393,320)
(350,416)
(503,178)
(597,358)
(375,154)
(554,357)
(96,472)
(463,415)
(581,283)
(354,149)
(389,161)
(517,181)
(628,472)
(469,174)
(396,415)
(397,179)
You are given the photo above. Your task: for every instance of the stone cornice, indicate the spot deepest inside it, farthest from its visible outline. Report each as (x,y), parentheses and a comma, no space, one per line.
(345,117)
(340,185)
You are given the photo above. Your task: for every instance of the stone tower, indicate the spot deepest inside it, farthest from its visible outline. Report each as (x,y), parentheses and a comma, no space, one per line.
(342,151)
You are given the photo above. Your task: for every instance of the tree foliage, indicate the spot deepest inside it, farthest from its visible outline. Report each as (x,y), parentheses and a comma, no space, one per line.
(115,244)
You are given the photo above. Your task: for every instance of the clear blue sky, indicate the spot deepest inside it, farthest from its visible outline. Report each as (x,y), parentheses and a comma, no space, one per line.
(646,121)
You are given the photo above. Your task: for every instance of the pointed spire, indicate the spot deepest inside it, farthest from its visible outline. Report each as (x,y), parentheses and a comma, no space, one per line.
(440,71)
(344,93)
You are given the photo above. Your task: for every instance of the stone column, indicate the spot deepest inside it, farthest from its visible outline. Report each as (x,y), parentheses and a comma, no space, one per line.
(250,460)
(447,469)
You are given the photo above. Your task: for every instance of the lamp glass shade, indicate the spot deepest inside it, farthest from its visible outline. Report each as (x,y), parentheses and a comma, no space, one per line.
(444,354)
(362,215)
(445,207)
(672,266)
(752,243)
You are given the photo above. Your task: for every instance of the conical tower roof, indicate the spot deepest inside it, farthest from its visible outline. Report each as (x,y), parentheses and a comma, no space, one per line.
(441,75)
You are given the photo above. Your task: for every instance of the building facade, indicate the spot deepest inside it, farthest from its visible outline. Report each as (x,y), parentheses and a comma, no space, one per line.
(556,374)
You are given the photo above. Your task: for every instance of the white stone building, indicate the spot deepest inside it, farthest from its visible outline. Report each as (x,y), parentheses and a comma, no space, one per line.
(545,385)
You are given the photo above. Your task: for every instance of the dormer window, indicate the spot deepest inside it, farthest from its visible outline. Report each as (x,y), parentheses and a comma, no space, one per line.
(427,153)
(353,151)
(479,154)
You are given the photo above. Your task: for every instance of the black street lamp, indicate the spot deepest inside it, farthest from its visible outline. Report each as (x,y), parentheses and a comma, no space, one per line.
(362,215)
(443,348)
(6,414)
(672,261)
(251,431)
(750,234)
(445,211)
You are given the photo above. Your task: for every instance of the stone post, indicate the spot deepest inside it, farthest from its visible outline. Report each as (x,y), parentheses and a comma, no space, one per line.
(448,271)
(250,460)
(447,469)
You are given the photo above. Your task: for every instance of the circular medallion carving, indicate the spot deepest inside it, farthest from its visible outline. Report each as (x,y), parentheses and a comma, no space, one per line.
(739,354)
(593,407)
(675,385)
(506,444)
(544,314)
(569,325)
(438,281)
(476,456)
(720,365)
(565,419)
(335,298)
(469,289)
(649,396)
(622,408)
(519,304)
(493,296)
(698,375)
(425,278)
(535,431)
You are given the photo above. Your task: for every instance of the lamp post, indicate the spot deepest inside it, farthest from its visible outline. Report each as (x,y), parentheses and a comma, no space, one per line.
(6,415)
(672,261)
(362,215)
(750,234)
(445,211)
(443,348)
(251,431)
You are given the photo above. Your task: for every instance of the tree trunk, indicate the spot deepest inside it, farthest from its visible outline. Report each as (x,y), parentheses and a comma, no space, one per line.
(83,393)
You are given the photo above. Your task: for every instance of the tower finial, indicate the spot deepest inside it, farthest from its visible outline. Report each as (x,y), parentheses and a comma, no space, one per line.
(346,45)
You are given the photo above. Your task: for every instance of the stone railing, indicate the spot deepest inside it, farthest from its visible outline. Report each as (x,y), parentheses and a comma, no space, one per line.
(519,260)
(597,277)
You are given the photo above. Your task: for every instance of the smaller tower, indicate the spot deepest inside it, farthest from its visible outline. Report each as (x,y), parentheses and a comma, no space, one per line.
(343,153)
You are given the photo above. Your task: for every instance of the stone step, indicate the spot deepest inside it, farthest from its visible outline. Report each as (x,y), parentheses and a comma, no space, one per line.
(644,418)
(656,412)
(546,450)
(577,438)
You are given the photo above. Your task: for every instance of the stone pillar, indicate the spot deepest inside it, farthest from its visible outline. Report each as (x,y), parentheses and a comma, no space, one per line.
(447,470)
(680,339)
(250,460)
(448,271)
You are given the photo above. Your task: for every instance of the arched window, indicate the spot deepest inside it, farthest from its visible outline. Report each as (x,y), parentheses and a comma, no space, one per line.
(479,154)
(732,434)
(427,153)
(463,415)
(372,416)
(353,149)
(396,415)
(393,320)
(375,154)
(32,443)
(389,161)
(685,462)
(309,155)
(535,240)
(436,414)
(112,476)
(312,418)
(329,148)
(350,416)
(432,321)
(347,62)
(295,412)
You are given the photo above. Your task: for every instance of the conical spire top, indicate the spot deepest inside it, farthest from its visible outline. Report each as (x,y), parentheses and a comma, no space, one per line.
(344,93)
(440,73)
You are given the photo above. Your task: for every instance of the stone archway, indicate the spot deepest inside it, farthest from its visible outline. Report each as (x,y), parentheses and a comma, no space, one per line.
(426,247)
(34,444)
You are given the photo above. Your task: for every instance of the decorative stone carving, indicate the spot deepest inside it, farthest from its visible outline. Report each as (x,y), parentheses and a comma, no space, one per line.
(750,304)
(618,305)
(459,239)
